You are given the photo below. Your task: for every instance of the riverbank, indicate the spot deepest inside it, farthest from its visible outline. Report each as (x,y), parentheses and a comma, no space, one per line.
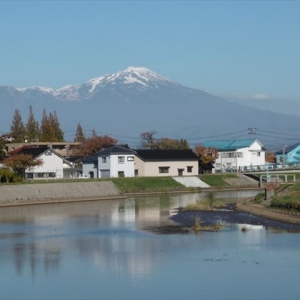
(40,193)
(264,210)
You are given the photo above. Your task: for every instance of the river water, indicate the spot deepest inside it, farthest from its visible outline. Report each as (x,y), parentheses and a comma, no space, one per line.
(106,250)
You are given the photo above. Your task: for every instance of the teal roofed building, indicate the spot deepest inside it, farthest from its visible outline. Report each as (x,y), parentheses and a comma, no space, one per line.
(238,155)
(289,155)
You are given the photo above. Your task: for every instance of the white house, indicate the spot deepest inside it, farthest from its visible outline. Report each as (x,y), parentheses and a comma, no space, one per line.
(54,166)
(166,163)
(238,154)
(115,161)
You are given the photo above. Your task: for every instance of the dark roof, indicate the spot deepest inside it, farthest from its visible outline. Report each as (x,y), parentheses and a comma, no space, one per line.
(108,151)
(167,154)
(91,158)
(34,152)
(115,150)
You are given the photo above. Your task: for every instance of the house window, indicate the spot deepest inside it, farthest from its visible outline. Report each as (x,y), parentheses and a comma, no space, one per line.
(121,174)
(163,169)
(189,169)
(218,166)
(136,172)
(48,153)
(121,159)
(258,153)
(29,175)
(130,158)
(104,160)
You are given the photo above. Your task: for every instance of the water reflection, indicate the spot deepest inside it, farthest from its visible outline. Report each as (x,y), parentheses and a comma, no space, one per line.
(107,232)
(98,250)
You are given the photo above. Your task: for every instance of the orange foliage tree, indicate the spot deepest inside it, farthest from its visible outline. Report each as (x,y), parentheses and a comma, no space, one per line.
(206,155)
(20,162)
(94,144)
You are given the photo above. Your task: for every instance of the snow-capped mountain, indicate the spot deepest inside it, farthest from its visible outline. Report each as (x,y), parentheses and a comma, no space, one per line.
(136,100)
(137,78)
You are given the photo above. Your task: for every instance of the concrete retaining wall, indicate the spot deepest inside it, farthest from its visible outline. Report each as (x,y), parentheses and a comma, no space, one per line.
(49,191)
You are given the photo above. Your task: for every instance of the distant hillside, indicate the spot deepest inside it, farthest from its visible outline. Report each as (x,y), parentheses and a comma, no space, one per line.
(136,100)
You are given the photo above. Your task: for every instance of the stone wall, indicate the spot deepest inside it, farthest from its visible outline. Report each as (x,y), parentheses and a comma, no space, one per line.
(52,191)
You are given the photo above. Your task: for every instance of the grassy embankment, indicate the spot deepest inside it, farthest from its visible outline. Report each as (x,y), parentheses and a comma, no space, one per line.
(149,184)
(217,180)
(145,184)
(289,200)
(167,184)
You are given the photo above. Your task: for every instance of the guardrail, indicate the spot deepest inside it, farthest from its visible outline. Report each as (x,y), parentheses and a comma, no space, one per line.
(276,177)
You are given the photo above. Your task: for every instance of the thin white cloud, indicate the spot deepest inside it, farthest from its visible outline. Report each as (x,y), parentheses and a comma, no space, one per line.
(260,97)
(257,96)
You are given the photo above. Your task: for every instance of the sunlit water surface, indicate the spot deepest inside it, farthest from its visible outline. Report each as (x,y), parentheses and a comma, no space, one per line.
(101,250)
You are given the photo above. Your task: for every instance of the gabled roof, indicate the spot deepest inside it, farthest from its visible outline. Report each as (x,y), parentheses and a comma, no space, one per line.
(34,152)
(115,150)
(107,152)
(227,145)
(167,154)
(288,149)
(37,152)
(91,158)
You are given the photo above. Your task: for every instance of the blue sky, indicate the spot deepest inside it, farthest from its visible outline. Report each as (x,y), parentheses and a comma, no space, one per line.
(245,48)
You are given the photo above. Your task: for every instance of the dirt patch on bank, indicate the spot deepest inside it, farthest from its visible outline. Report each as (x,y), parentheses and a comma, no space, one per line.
(264,210)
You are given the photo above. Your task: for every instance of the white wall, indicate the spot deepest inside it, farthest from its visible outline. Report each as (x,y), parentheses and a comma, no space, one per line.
(114,166)
(127,166)
(243,157)
(89,167)
(51,164)
(152,168)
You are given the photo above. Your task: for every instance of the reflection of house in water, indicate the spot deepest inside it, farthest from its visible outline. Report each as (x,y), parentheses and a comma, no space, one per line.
(152,209)
(254,235)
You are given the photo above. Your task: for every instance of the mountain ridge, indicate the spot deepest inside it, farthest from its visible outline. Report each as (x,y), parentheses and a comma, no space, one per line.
(137,99)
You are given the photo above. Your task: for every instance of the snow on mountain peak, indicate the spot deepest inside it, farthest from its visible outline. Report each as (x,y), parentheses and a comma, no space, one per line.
(131,75)
(139,78)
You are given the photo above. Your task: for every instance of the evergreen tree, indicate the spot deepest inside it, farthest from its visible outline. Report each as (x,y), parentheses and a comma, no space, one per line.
(46,132)
(17,129)
(58,135)
(58,131)
(79,136)
(2,148)
(32,127)
(50,128)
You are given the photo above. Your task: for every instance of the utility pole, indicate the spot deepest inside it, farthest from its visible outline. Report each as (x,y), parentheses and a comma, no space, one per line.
(252,132)
(283,156)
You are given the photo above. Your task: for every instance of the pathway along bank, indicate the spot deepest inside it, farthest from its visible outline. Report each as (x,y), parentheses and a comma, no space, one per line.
(249,206)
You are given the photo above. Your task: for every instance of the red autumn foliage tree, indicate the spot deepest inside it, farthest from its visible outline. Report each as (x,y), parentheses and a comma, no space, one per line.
(150,142)
(270,157)
(20,162)
(94,144)
(206,155)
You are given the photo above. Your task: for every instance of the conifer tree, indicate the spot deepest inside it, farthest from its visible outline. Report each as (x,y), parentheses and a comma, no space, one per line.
(17,129)
(46,132)
(79,136)
(50,128)
(58,133)
(32,127)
